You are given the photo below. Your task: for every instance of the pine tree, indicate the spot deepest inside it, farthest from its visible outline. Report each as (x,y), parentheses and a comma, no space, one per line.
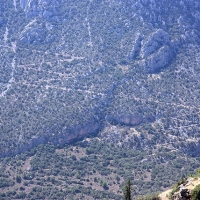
(127,190)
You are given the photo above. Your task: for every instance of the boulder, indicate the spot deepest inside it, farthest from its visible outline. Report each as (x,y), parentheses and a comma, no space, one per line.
(182,194)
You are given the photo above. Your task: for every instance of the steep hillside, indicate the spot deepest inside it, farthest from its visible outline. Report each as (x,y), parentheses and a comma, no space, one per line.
(121,76)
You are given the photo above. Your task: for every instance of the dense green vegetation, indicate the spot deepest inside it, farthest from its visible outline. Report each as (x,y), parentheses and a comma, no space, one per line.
(196,193)
(149,197)
(91,169)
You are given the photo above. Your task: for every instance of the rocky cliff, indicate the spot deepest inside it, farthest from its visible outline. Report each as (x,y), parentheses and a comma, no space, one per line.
(183,191)
(153,52)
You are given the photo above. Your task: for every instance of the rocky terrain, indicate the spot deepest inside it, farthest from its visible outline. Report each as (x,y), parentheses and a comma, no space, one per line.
(69,69)
(184,190)
(125,72)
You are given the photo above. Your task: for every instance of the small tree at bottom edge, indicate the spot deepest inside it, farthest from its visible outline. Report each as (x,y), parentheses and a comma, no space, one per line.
(127,191)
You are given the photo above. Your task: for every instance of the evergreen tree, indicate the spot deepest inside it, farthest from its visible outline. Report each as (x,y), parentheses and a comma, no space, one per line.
(127,190)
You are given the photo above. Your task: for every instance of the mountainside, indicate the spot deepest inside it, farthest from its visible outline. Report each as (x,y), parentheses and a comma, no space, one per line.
(120,77)
(70,69)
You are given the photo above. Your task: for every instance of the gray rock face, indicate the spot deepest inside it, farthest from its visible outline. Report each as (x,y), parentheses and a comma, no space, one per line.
(65,137)
(154,42)
(154,51)
(158,60)
(40,13)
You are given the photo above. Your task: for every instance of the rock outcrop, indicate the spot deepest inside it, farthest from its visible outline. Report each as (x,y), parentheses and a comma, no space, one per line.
(154,42)
(183,190)
(158,60)
(183,194)
(154,52)
(129,120)
(66,136)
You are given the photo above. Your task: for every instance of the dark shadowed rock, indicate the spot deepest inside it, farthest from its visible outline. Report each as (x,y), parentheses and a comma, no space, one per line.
(136,47)
(129,120)
(67,136)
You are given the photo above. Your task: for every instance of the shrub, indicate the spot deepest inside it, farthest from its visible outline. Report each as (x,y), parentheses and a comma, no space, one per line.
(196,193)
(149,197)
